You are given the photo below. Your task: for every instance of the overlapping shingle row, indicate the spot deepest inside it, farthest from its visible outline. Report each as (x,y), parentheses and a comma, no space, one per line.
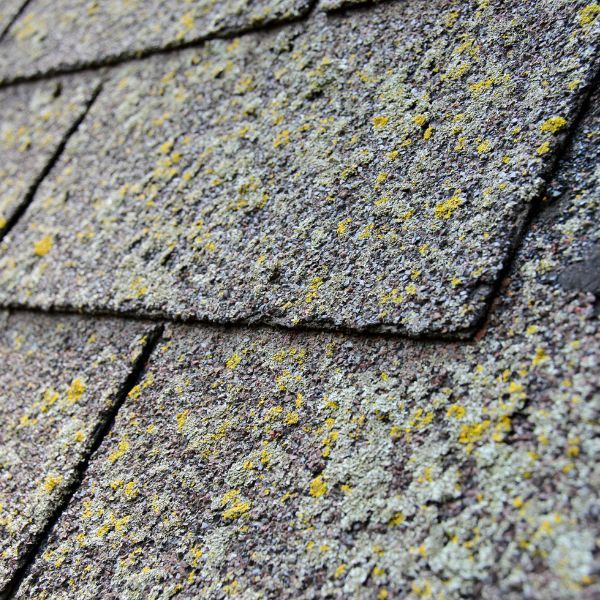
(373,169)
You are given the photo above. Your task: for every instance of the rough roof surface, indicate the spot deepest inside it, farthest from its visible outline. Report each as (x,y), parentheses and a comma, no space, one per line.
(380,224)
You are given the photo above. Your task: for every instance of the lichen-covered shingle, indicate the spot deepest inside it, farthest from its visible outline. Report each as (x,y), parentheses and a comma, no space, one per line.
(59,380)
(34,121)
(361,171)
(52,35)
(265,464)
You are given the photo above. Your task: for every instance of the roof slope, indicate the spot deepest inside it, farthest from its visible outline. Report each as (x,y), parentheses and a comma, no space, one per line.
(379,222)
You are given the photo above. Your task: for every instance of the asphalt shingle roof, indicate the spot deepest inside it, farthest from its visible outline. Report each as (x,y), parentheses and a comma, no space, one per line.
(379,222)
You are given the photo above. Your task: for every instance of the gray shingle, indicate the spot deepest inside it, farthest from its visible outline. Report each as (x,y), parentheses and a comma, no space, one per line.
(35,120)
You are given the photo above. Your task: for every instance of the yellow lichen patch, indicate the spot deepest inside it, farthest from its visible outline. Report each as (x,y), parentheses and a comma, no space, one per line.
(380,122)
(135,392)
(469,434)
(394,296)
(543,149)
(130,491)
(539,357)
(419,120)
(27,421)
(188,21)
(52,482)
(317,487)
(43,246)
(166,147)
(233,361)
(588,14)
(380,179)
(366,232)
(444,210)
(553,124)
(181,419)
(196,553)
(292,418)
(75,391)
(428,133)
(48,399)
(484,147)
(342,226)
(282,138)
(456,411)
(3,222)
(341,569)
(481,86)
(313,287)
(122,448)
(237,510)
(397,519)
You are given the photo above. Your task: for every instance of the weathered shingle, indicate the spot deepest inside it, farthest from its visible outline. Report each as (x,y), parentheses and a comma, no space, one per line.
(59,381)
(286,465)
(62,34)
(363,171)
(36,120)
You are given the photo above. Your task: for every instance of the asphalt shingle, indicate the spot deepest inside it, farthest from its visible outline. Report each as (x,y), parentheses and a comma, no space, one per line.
(367,171)
(59,381)
(295,465)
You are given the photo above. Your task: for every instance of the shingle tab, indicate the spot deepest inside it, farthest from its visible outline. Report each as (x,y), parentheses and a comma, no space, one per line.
(62,34)
(59,380)
(367,171)
(34,122)
(285,465)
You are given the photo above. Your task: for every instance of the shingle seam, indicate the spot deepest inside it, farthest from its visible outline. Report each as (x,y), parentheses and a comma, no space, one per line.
(538,205)
(255,326)
(29,196)
(14,19)
(102,429)
(161,50)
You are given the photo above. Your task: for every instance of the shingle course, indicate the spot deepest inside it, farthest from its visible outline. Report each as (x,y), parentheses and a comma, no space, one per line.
(55,35)
(367,171)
